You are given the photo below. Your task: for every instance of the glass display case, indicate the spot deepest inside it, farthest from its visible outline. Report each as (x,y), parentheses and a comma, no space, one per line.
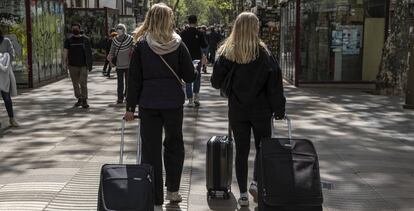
(47,39)
(36,30)
(13,23)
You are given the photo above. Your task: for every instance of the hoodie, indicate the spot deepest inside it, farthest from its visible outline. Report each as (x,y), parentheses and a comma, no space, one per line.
(151,84)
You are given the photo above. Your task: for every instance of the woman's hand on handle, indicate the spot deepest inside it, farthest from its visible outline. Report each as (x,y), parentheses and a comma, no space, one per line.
(279,116)
(129,116)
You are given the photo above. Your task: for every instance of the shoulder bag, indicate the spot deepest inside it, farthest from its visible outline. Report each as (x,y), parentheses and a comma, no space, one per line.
(115,58)
(227,83)
(182,83)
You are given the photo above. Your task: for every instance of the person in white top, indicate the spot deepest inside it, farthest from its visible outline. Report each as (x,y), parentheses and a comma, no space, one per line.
(8,86)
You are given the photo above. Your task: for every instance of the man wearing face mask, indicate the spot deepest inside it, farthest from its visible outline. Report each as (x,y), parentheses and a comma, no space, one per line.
(78,59)
(121,51)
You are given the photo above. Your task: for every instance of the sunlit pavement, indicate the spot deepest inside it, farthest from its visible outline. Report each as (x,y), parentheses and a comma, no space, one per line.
(365,145)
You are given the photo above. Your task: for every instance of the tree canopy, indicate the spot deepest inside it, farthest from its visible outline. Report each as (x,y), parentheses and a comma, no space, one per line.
(208,11)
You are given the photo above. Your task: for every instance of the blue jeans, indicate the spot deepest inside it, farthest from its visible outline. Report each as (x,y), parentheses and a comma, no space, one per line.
(8,102)
(195,86)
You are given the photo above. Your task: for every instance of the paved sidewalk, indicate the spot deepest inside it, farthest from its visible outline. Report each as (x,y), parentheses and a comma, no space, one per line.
(365,145)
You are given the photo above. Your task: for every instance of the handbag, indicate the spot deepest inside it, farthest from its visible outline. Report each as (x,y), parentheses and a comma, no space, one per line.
(115,58)
(226,85)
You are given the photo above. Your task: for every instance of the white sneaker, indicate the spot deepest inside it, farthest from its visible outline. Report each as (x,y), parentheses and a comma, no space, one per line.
(13,122)
(253,191)
(174,197)
(244,201)
(190,102)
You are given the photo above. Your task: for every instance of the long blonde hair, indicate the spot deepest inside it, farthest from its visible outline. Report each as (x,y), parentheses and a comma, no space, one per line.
(159,22)
(243,44)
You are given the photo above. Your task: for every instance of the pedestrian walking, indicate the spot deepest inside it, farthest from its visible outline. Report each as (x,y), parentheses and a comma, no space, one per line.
(78,60)
(160,63)
(8,86)
(195,41)
(106,71)
(204,51)
(213,40)
(120,56)
(252,80)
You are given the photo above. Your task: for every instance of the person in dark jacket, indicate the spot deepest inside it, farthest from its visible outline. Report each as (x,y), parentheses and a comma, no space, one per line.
(78,59)
(256,92)
(195,41)
(106,71)
(157,87)
(213,40)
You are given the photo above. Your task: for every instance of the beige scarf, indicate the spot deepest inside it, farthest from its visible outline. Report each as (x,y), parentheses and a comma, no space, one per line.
(164,48)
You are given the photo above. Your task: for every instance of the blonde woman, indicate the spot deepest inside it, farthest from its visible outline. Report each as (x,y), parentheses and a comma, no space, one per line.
(255,92)
(160,65)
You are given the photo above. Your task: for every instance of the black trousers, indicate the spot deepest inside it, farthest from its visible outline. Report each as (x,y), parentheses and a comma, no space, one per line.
(122,77)
(153,121)
(212,56)
(242,123)
(106,65)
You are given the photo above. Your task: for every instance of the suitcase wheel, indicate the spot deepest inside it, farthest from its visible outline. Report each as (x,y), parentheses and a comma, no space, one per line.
(209,195)
(227,195)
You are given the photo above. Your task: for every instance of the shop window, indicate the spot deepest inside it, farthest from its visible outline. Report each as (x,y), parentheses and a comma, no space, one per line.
(331,40)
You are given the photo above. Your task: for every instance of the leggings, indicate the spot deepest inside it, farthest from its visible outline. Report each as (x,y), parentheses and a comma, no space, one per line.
(242,124)
(8,102)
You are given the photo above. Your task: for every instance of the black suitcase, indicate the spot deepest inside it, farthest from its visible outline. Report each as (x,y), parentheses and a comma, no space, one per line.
(126,187)
(288,175)
(219,166)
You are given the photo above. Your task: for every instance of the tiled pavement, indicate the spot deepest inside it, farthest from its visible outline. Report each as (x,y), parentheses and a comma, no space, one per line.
(365,144)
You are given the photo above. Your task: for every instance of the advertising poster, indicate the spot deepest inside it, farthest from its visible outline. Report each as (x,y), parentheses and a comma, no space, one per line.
(352,40)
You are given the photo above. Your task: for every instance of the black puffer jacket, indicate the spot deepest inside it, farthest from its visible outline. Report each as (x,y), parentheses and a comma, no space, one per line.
(151,84)
(256,86)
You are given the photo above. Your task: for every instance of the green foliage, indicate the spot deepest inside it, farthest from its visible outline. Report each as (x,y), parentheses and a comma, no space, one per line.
(208,11)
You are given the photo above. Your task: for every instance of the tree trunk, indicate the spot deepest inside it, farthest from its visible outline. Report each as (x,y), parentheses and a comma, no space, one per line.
(391,79)
(176,5)
(175,9)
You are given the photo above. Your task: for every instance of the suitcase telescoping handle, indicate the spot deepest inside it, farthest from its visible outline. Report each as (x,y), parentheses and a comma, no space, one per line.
(230,133)
(121,151)
(289,124)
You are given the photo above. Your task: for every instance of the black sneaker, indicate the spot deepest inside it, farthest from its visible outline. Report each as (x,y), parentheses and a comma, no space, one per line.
(85,104)
(79,103)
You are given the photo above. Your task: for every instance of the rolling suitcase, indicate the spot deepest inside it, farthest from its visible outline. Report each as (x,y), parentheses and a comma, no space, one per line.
(126,186)
(219,166)
(288,175)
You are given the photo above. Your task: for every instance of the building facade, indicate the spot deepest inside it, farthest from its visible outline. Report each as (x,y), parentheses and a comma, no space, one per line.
(125,7)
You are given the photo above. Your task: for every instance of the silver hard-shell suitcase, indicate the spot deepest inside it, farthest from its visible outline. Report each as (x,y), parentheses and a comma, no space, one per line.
(219,166)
